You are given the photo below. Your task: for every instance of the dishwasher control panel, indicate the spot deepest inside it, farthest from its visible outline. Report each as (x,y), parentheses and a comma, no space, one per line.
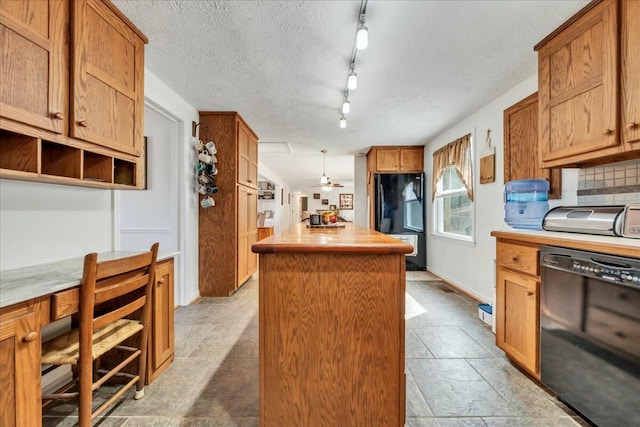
(615,269)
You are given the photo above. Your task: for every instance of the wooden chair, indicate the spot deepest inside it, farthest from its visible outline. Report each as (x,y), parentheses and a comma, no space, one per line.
(115,306)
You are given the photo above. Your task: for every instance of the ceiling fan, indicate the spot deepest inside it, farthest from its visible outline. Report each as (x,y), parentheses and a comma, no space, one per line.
(325,183)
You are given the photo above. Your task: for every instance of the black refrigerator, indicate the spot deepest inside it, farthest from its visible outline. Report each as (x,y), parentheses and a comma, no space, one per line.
(400,211)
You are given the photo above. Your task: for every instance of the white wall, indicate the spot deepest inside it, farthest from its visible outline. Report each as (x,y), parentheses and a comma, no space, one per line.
(164,98)
(470,266)
(360,204)
(282,211)
(48,222)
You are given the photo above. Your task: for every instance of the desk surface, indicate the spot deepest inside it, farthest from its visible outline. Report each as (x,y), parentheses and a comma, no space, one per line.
(33,281)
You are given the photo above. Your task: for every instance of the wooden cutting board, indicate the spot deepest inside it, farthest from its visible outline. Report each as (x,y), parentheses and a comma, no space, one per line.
(488,169)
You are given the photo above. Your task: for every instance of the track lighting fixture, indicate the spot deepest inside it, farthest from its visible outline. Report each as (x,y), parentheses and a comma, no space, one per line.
(346,105)
(352,80)
(361,42)
(362,35)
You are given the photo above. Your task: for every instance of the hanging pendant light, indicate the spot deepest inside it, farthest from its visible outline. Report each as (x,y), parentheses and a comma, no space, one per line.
(323,179)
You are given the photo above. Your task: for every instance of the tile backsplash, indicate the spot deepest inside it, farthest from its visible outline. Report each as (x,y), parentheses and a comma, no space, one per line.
(612,184)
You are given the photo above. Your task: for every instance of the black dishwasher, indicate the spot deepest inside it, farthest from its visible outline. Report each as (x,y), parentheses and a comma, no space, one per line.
(590,333)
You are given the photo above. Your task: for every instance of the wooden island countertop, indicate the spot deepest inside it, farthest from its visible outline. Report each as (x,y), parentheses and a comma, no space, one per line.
(331,341)
(350,239)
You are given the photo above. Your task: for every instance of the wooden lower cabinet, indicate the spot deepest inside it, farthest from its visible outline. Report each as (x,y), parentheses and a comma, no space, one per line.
(20,347)
(264,232)
(161,348)
(517,321)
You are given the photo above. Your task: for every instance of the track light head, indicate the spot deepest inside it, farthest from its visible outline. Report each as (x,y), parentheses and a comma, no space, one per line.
(343,122)
(362,35)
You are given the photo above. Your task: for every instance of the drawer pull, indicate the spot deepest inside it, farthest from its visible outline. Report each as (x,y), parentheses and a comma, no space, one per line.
(607,132)
(58,116)
(514,258)
(631,125)
(31,336)
(83,123)
(529,293)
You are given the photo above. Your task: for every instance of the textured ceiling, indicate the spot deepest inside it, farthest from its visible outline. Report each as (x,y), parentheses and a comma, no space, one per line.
(283,66)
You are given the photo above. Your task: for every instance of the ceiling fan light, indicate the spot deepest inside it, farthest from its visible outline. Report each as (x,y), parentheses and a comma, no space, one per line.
(343,122)
(362,36)
(326,188)
(346,107)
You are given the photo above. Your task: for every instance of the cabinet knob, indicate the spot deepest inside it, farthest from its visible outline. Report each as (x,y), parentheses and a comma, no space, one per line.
(161,282)
(31,336)
(83,123)
(529,293)
(58,116)
(631,125)
(514,258)
(607,132)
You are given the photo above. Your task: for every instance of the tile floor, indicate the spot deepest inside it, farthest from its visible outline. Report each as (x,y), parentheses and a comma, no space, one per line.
(455,374)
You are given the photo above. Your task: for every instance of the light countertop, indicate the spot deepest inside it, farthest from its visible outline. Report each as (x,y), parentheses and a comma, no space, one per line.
(590,242)
(33,281)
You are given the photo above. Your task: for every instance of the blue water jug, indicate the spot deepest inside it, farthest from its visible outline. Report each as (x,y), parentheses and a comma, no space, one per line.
(526,203)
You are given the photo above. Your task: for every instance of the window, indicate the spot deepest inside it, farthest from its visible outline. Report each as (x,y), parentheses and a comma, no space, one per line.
(453,210)
(452,190)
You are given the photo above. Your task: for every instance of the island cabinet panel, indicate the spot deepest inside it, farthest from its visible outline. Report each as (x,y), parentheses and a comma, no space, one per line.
(34,79)
(107,74)
(20,390)
(331,340)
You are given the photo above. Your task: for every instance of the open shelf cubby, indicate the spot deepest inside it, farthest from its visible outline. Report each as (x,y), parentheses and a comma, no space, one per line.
(18,152)
(97,167)
(60,160)
(124,172)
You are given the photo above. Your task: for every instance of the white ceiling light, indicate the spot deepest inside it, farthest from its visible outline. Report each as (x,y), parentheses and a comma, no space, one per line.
(352,80)
(346,105)
(343,122)
(362,35)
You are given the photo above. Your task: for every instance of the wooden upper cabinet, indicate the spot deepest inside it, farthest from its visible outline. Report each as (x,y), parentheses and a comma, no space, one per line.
(107,81)
(630,62)
(588,83)
(395,159)
(388,160)
(412,159)
(34,66)
(521,146)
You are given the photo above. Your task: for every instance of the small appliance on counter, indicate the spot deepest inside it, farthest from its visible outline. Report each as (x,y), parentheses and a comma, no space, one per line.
(526,202)
(615,220)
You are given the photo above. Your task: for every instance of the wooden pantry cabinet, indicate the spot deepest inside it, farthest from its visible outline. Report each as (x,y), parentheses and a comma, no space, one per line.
(227,230)
(20,347)
(71,102)
(518,303)
(521,146)
(588,80)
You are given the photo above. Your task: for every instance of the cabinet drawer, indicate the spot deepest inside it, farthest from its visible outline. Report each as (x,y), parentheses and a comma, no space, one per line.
(518,257)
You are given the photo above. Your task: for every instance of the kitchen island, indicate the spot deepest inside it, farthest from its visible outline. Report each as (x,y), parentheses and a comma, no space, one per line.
(332,327)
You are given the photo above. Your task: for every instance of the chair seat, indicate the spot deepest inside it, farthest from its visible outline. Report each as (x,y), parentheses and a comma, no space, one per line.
(64,350)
